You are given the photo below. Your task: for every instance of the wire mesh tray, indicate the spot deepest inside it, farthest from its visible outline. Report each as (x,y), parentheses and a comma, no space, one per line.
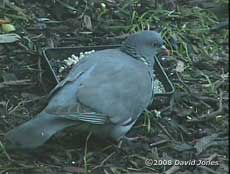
(51,77)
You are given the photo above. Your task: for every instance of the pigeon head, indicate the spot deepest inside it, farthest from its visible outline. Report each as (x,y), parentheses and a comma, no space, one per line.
(144,46)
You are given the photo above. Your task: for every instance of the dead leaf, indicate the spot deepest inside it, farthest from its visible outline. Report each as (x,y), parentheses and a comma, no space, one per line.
(4,21)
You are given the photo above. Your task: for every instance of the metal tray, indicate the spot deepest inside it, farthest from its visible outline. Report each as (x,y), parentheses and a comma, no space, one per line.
(50,77)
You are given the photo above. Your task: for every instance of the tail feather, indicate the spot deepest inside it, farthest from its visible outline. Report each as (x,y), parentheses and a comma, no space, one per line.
(37,131)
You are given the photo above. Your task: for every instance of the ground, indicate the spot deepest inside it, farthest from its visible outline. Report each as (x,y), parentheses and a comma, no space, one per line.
(188,133)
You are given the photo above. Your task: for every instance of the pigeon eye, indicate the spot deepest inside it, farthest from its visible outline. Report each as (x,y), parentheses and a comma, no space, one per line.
(156,45)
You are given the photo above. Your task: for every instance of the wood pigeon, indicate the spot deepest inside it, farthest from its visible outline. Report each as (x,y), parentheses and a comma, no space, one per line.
(104,93)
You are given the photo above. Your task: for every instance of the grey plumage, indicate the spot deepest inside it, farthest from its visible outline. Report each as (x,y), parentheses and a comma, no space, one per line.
(104,93)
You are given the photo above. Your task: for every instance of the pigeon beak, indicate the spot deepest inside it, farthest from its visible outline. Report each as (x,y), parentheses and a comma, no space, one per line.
(165,51)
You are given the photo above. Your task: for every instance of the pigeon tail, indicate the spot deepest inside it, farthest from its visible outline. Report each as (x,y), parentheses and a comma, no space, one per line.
(37,131)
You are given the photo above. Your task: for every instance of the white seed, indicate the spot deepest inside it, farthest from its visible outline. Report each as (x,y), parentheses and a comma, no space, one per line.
(61,69)
(74,57)
(81,56)
(69,63)
(69,58)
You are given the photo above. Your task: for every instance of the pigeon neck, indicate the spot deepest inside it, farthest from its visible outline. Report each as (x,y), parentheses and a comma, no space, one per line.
(138,54)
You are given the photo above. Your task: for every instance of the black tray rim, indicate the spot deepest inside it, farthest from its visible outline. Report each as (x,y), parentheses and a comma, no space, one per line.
(44,50)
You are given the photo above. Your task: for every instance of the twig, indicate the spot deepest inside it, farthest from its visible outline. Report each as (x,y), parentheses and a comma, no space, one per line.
(40,74)
(183,83)
(211,115)
(15,83)
(171,105)
(15,108)
(19,10)
(4,21)
(123,36)
(212,157)
(15,169)
(191,93)
(207,99)
(158,143)
(86,151)
(2,147)
(172,170)
(166,131)
(208,169)
(103,162)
